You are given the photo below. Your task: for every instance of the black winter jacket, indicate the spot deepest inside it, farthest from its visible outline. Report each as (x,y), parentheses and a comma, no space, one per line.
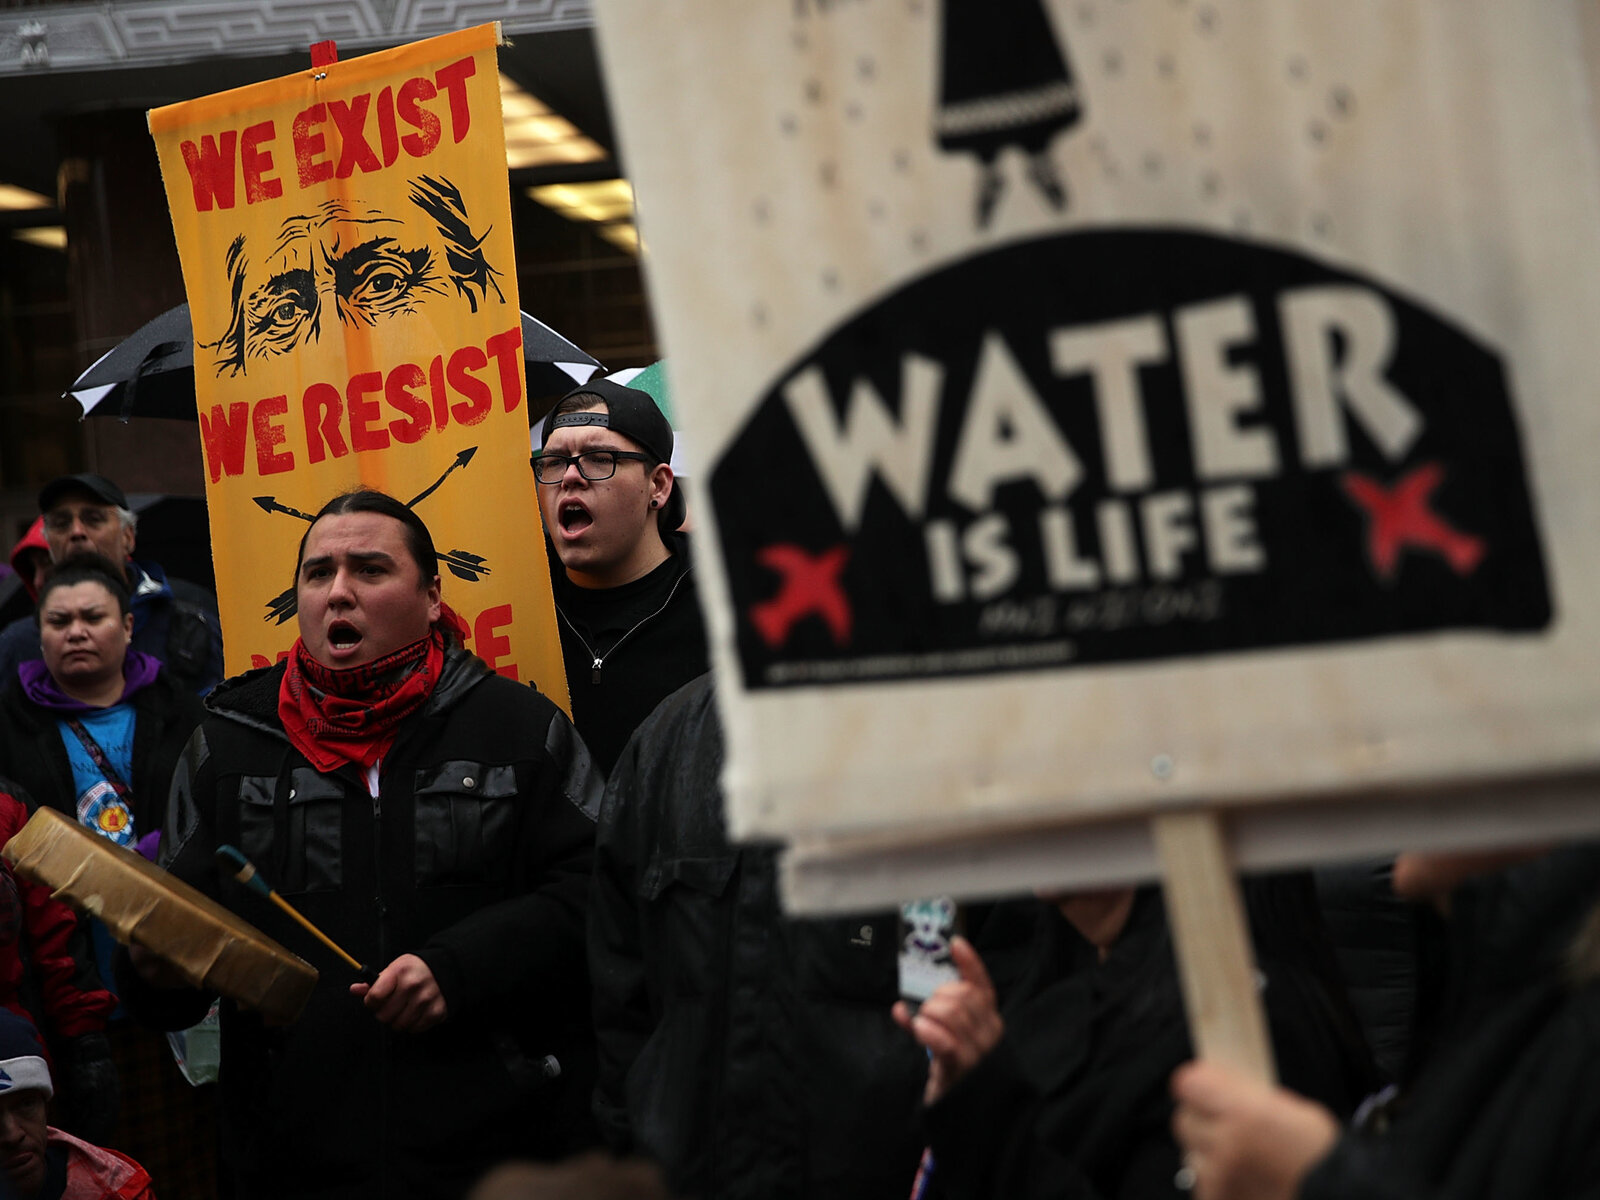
(1508,1106)
(750,1054)
(1074,1102)
(33,754)
(474,856)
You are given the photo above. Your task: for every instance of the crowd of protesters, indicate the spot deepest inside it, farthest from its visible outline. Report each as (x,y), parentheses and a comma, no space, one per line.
(573,983)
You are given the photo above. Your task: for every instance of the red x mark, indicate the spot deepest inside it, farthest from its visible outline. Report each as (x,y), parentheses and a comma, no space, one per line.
(810,585)
(1399,516)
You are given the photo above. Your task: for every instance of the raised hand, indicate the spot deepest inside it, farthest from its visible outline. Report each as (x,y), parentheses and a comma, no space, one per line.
(959,1023)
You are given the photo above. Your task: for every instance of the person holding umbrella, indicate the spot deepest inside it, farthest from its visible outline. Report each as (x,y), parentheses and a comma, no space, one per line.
(174,621)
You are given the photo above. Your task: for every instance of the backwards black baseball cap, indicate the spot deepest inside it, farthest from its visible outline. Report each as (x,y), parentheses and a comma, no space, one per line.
(634,414)
(98,486)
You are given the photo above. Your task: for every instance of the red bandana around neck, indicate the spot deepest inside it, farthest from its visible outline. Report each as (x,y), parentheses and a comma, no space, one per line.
(335,717)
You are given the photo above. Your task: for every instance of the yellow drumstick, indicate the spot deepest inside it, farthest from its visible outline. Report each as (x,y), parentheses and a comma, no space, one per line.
(245,872)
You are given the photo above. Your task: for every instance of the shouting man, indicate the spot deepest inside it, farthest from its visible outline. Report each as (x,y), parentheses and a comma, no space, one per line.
(630,623)
(435,820)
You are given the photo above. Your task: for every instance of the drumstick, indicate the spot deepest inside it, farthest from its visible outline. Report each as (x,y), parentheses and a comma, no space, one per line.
(245,872)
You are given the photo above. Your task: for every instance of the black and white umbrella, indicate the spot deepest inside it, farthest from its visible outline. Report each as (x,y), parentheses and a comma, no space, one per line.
(150,373)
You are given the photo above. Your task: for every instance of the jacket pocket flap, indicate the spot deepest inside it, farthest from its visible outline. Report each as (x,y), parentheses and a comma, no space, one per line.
(306,786)
(459,777)
(708,875)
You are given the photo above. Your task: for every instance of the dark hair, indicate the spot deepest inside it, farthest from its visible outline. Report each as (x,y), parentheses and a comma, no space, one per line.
(369,500)
(85,567)
(588,402)
(576,402)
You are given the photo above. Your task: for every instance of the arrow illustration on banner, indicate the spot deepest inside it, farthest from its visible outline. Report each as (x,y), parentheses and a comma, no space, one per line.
(460,563)
(282,606)
(270,504)
(462,460)
(464,566)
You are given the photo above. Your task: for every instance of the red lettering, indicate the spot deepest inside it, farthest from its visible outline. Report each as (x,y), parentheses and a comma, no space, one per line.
(421,143)
(363,412)
(388,138)
(322,408)
(453,80)
(351,121)
(441,399)
(397,390)
(211,170)
(489,645)
(376,409)
(257,162)
(309,142)
(504,347)
(269,459)
(223,437)
(479,400)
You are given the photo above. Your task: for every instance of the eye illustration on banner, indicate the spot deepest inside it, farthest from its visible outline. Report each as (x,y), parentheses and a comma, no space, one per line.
(347,261)
(1004,81)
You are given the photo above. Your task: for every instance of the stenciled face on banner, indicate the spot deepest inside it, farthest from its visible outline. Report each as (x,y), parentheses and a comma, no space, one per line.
(1115,443)
(349,264)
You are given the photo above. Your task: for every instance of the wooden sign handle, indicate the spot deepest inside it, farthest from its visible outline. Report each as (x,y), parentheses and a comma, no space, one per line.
(1211,941)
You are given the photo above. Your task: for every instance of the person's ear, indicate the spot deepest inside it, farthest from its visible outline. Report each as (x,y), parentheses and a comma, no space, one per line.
(435,600)
(660,485)
(127,626)
(127,541)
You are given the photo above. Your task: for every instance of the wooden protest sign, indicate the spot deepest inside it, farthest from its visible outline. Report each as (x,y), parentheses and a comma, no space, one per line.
(345,235)
(1114,408)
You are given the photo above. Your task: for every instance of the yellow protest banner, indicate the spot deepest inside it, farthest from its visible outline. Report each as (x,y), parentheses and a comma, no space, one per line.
(345,234)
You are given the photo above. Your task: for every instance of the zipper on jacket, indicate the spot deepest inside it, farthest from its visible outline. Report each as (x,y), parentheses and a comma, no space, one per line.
(372,777)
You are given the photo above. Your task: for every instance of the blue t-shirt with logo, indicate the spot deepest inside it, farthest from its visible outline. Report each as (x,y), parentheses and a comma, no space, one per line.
(98,805)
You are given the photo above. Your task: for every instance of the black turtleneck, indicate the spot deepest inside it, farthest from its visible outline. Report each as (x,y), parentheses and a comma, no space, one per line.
(649,638)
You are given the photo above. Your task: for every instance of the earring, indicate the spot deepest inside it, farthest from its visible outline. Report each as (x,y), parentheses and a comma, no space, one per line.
(655,504)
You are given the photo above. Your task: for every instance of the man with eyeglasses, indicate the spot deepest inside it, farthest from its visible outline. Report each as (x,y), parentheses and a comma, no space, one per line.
(625,598)
(173,620)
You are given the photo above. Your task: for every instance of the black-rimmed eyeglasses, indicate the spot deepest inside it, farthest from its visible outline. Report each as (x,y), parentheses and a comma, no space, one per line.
(593,465)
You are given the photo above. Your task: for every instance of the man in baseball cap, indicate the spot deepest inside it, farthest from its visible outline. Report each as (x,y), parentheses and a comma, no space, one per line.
(39,1162)
(173,620)
(630,621)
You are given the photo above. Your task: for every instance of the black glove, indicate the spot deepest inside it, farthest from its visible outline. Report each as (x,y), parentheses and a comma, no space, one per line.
(86,1087)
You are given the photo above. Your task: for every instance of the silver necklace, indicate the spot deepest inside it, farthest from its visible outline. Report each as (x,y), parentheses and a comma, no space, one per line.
(599,660)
